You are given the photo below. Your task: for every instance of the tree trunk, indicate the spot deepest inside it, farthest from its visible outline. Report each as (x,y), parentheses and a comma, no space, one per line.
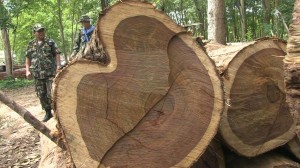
(256,118)
(159,95)
(220,22)
(242,10)
(267,14)
(61,27)
(7,52)
(15,38)
(292,71)
(199,12)
(104,4)
(210,20)
(216,21)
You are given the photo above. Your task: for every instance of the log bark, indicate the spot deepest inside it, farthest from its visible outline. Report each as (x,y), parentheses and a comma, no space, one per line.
(156,103)
(291,75)
(256,118)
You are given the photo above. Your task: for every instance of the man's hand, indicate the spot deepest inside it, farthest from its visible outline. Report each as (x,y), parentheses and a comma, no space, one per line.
(28,75)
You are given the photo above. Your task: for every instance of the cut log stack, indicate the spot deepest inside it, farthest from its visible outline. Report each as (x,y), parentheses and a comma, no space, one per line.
(145,94)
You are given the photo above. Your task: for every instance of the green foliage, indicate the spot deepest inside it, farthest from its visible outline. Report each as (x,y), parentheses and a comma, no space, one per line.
(11,83)
(20,15)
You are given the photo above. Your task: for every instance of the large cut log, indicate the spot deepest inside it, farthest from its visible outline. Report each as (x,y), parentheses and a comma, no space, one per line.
(156,103)
(267,160)
(256,118)
(292,75)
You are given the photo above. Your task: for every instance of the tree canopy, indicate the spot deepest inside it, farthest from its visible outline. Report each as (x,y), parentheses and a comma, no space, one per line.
(263,18)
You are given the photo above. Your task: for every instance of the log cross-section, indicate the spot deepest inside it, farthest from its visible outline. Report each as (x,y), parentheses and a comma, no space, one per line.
(157,103)
(256,118)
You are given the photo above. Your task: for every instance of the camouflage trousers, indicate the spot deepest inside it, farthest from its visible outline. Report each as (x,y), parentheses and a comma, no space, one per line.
(43,91)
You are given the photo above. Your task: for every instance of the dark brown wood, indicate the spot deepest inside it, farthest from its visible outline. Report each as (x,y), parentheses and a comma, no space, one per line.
(213,157)
(28,117)
(294,145)
(268,160)
(156,103)
(256,118)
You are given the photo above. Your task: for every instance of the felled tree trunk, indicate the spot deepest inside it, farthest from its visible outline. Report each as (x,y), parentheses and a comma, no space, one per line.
(155,100)
(256,118)
(292,77)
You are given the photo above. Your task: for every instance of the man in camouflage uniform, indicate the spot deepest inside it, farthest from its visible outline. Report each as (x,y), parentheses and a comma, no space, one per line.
(42,61)
(84,35)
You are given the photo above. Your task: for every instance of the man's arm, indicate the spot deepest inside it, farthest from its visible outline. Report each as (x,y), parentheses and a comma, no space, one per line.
(27,65)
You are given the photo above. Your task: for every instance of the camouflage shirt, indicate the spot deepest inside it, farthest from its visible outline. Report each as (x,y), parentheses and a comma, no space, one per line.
(42,57)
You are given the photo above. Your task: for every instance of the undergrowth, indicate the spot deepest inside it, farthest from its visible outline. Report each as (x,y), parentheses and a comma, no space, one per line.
(14,83)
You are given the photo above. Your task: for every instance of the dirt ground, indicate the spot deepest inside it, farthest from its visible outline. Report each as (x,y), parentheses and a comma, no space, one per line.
(19,141)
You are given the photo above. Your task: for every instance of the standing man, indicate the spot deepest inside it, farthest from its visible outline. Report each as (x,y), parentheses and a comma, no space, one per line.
(84,35)
(42,61)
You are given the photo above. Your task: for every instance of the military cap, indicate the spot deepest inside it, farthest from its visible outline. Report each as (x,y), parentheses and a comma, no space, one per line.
(85,18)
(38,27)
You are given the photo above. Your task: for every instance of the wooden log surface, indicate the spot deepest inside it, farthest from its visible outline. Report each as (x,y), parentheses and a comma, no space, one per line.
(157,103)
(256,118)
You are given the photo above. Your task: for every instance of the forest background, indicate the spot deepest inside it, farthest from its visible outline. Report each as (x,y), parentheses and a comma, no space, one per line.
(245,20)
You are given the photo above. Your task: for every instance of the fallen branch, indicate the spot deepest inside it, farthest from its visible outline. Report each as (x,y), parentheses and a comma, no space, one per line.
(28,117)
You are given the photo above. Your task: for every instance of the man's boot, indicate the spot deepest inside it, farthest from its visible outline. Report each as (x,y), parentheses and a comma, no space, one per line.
(47,116)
